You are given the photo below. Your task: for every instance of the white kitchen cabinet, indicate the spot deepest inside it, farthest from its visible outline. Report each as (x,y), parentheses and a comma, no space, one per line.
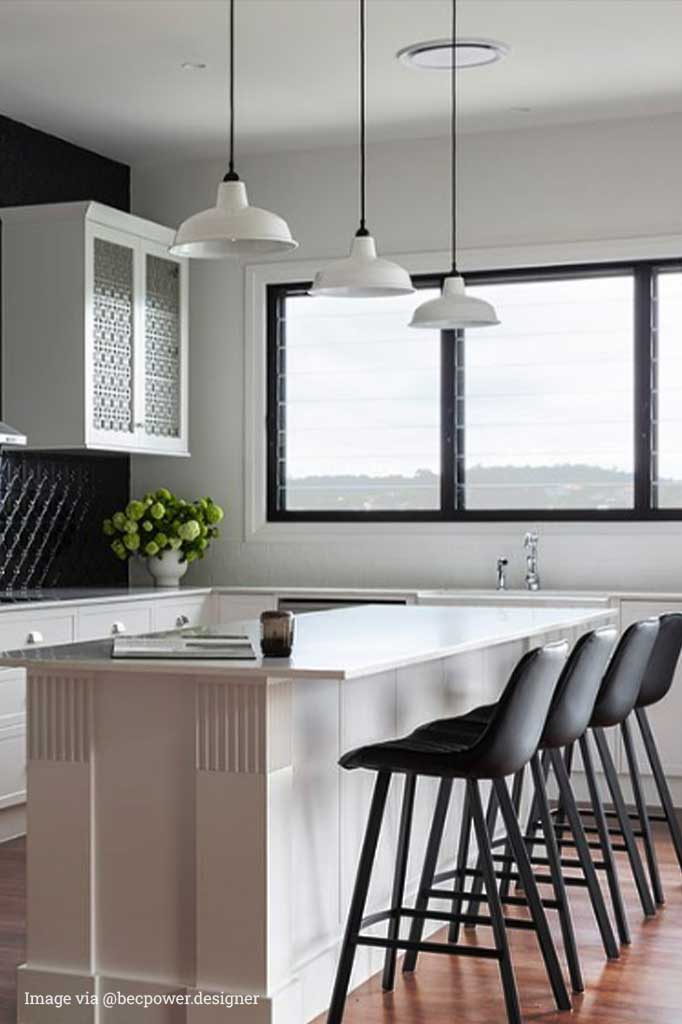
(115,619)
(665,717)
(173,613)
(95,330)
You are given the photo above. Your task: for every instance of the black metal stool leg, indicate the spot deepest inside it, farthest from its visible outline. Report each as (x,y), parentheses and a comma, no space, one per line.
(511,996)
(583,851)
(399,876)
(624,823)
(549,955)
(462,860)
(477,884)
(558,884)
(517,793)
(534,812)
(568,764)
(605,843)
(357,906)
(642,813)
(661,781)
(429,868)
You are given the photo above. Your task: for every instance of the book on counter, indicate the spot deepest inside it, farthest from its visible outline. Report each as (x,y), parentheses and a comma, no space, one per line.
(197,642)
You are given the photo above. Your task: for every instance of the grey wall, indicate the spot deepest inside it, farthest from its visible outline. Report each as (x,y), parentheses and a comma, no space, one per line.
(574,183)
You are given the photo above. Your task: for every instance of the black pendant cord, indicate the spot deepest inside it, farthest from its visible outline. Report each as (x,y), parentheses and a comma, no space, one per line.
(231,174)
(362,230)
(453,138)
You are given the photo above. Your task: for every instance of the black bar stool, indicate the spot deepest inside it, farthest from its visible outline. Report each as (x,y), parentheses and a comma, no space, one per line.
(656,683)
(569,716)
(508,742)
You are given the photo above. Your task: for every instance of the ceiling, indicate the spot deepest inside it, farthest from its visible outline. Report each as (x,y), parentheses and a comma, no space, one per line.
(107,73)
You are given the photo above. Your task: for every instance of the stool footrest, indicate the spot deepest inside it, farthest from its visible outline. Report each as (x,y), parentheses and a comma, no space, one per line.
(429,947)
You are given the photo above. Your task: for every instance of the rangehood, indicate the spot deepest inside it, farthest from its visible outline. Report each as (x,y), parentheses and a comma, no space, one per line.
(9,435)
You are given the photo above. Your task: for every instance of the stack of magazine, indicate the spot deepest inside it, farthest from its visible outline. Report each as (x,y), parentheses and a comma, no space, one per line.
(217,642)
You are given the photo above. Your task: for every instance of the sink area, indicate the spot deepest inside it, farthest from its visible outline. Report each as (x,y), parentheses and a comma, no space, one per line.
(557,598)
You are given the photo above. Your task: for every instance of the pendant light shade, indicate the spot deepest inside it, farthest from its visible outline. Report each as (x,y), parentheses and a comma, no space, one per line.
(453,309)
(232,228)
(363,274)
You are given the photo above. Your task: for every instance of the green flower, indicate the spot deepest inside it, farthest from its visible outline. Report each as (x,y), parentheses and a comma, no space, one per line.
(174,543)
(119,521)
(157,511)
(161,539)
(130,526)
(191,556)
(151,549)
(203,544)
(190,530)
(132,541)
(214,514)
(147,526)
(135,510)
(163,494)
(118,548)
(108,528)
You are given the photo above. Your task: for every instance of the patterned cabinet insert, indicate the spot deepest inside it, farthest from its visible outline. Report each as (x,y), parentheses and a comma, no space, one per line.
(139,351)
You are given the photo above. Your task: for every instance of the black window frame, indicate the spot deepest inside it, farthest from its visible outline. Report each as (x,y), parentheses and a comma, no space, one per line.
(644,274)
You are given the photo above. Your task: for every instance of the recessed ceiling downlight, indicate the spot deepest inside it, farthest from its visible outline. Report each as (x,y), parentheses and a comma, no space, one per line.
(436,54)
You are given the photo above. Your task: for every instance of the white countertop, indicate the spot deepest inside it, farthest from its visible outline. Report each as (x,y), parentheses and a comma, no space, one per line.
(345,643)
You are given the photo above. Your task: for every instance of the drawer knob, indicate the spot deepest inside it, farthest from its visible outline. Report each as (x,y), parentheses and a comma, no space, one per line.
(118,627)
(182,620)
(35,637)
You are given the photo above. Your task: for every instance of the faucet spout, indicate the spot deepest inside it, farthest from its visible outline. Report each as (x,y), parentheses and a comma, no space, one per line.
(530,543)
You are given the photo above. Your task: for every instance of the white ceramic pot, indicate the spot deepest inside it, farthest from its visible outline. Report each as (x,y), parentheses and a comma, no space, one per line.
(167,568)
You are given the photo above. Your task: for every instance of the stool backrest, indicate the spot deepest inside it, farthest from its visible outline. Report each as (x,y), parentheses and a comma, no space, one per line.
(624,674)
(513,733)
(578,687)
(660,671)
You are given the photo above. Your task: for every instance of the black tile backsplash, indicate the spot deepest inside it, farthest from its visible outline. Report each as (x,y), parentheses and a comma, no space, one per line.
(52,504)
(51,512)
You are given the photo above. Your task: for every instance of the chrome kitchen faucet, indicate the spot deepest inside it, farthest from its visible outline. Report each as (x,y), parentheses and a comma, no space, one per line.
(530,543)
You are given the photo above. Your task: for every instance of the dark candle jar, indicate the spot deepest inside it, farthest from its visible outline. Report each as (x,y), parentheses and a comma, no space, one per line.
(277,634)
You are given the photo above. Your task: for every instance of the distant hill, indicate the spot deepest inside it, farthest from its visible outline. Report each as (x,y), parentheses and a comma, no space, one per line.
(567,486)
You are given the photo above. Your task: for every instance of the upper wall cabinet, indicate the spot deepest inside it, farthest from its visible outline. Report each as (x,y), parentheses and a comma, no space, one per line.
(94,330)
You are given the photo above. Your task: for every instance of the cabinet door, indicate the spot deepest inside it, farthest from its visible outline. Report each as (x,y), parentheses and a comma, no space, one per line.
(162,365)
(665,716)
(111,325)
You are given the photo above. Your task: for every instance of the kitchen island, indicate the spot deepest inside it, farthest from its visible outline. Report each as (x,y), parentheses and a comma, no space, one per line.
(189,832)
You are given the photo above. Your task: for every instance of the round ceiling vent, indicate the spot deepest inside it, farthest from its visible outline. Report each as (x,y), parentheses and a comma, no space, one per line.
(436,54)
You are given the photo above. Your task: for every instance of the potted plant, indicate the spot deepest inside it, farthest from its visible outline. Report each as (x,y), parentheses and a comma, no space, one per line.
(169,532)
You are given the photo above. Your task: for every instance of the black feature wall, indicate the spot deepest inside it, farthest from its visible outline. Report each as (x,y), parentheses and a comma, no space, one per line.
(52,505)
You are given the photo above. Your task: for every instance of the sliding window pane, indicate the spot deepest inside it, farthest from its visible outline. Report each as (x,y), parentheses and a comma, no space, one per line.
(359,406)
(667,404)
(547,407)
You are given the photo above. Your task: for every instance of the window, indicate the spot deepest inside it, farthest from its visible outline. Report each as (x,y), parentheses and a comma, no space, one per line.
(569,409)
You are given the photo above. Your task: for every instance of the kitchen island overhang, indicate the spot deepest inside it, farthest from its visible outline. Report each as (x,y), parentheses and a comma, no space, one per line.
(189,830)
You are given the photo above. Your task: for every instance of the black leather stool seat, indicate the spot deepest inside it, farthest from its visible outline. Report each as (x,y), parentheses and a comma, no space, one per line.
(423,754)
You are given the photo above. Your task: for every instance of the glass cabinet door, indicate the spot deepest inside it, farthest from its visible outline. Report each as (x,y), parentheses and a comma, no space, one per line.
(163,370)
(112,402)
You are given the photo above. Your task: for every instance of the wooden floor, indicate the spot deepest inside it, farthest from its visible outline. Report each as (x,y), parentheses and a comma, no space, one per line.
(643,987)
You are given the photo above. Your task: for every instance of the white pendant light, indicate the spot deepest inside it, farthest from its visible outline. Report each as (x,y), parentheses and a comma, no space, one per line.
(362,274)
(232,228)
(454,309)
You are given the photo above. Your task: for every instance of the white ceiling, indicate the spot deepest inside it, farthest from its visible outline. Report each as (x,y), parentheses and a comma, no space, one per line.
(106,73)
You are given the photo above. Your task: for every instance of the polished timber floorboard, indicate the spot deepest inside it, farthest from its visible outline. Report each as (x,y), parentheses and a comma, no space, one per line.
(644,987)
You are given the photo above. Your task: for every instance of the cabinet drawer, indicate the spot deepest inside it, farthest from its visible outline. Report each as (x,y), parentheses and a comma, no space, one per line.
(174,614)
(34,628)
(105,622)
(12,693)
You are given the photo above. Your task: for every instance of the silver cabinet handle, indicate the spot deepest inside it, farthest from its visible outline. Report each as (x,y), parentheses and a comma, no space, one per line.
(182,620)
(118,627)
(35,637)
